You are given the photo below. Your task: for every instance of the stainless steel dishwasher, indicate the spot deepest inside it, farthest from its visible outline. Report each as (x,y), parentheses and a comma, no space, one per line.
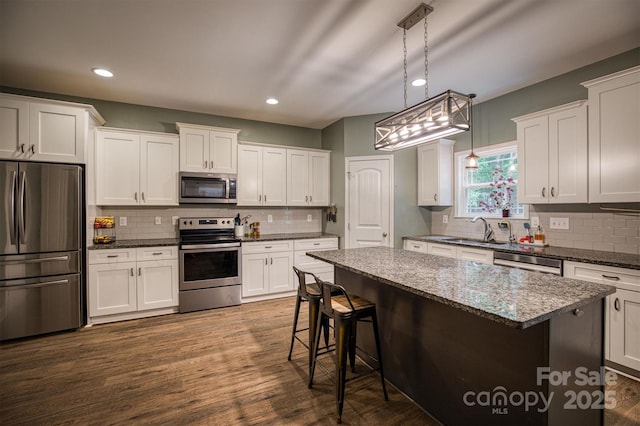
(528,262)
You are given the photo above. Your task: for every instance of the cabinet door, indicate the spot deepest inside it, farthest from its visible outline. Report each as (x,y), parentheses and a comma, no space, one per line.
(159,170)
(412,245)
(112,289)
(624,328)
(475,255)
(56,133)
(428,175)
(194,150)
(280,267)
(223,152)
(249,187)
(319,178)
(157,285)
(297,177)
(443,250)
(614,135)
(14,129)
(567,156)
(274,176)
(117,168)
(255,278)
(533,160)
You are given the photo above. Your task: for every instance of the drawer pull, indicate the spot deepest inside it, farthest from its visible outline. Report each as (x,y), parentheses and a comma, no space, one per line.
(316,244)
(611,277)
(268,247)
(111,256)
(417,247)
(157,253)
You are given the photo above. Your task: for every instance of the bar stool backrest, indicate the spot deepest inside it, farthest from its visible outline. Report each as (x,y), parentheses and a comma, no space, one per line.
(302,283)
(328,291)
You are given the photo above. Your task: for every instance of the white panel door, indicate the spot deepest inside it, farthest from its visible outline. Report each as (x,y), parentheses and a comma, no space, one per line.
(14,129)
(428,175)
(112,289)
(194,150)
(274,176)
(255,274)
(117,168)
(56,133)
(297,177)
(533,160)
(223,152)
(159,170)
(280,267)
(624,323)
(369,201)
(157,284)
(318,178)
(249,189)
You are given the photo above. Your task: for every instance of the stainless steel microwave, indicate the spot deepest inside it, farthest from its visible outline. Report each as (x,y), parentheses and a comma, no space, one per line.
(207,188)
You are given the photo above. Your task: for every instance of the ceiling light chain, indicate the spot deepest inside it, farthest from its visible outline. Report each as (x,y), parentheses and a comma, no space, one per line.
(404,63)
(426,60)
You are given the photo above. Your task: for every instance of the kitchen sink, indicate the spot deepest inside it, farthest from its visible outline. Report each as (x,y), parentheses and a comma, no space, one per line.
(467,241)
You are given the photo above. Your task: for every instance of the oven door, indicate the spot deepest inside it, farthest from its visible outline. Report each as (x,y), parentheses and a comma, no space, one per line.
(210,266)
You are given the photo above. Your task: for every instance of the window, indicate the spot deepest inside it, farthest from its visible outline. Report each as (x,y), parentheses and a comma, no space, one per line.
(493,187)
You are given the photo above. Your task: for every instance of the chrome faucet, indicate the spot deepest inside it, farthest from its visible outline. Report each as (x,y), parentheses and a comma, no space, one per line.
(488,232)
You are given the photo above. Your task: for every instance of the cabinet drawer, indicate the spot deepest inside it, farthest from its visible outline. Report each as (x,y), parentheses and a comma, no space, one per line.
(442,250)
(316,244)
(267,246)
(475,255)
(619,277)
(304,262)
(111,256)
(157,253)
(413,245)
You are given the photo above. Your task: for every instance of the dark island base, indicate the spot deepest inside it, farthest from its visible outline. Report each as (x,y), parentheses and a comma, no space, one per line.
(465,369)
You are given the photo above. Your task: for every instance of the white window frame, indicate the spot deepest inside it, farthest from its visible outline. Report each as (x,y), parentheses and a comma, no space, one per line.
(459,176)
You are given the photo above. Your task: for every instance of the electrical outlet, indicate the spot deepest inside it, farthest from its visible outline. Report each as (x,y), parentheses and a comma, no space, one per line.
(175,219)
(123,221)
(158,220)
(309,218)
(559,223)
(445,218)
(269,218)
(535,221)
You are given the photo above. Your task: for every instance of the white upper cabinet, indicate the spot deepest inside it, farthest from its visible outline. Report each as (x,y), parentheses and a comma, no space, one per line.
(208,149)
(307,178)
(614,137)
(552,155)
(262,175)
(136,168)
(44,131)
(435,173)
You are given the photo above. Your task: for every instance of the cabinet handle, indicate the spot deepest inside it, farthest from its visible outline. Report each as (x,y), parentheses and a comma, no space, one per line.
(435,197)
(578,312)
(544,192)
(139,271)
(211,164)
(135,196)
(22,148)
(205,164)
(267,247)
(142,196)
(616,304)
(260,197)
(553,191)
(131,271)
(416,247)
(306,198)
(316,244)
(310,198)
(33,149)
(111,256)
(272,260)
(265,198)
(266,261)
(157,254)
(611,277)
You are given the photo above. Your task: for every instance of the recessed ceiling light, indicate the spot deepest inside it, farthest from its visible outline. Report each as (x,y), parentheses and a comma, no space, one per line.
(272,101)
(102,72)
(418,82)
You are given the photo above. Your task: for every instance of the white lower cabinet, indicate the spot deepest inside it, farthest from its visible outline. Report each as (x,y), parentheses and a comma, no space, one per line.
(132,283)
(323,270)
(452,251)
(266,268)
(622,310)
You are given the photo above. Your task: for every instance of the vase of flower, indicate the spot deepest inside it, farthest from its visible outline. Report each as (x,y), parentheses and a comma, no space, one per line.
(505,212)
(500,198)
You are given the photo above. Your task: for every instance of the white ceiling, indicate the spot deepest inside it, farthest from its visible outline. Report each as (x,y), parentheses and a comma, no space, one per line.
(323,59)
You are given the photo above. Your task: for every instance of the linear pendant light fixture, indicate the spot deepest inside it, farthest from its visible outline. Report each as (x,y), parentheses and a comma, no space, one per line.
(443,115)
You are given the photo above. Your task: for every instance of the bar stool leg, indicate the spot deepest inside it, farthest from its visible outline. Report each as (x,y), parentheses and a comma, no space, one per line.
(314,310)
(316,344)
(352,345)
(343,336)
(374,320)
(295,324)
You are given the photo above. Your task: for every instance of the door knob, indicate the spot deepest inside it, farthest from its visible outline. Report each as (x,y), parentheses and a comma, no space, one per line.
(384,234)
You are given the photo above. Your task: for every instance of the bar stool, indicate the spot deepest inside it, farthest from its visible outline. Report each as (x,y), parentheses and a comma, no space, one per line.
(308,293)
(346,311)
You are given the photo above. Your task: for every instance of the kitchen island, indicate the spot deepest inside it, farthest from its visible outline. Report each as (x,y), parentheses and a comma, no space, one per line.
(481,344)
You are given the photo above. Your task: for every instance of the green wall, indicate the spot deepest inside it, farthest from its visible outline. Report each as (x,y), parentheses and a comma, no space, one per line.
(141,117)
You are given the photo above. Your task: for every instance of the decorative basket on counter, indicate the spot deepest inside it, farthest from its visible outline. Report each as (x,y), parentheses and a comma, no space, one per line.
(104,230)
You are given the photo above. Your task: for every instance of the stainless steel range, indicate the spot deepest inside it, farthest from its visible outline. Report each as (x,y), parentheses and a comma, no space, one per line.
(210,268)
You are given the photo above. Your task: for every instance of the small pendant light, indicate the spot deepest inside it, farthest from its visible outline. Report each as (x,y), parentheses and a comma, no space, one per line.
(471,160)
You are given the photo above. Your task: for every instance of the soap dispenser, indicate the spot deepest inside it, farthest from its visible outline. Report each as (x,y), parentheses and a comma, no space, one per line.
(538,237)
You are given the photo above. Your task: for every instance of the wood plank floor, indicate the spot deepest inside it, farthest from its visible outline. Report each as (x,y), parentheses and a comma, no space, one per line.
(224,366)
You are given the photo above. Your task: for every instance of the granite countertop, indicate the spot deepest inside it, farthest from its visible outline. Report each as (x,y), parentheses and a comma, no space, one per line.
(622,260)
(122,244)
(511,296)
(296,236)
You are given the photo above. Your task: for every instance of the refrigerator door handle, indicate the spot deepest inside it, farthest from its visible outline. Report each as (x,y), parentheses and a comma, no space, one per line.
(21,207)
(26,261)
(26,286)
(12,211)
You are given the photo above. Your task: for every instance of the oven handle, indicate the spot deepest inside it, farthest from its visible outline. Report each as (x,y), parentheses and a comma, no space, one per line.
(208,246)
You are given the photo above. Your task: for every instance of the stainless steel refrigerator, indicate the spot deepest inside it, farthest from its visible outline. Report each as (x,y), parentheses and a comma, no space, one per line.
(40,248)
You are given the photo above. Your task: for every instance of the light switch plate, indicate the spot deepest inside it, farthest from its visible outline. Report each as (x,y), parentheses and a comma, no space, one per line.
(158,220)
(123,221)
(445,218)
(269,218)
(559,223)
(535,221)
(309,218)
(174,219)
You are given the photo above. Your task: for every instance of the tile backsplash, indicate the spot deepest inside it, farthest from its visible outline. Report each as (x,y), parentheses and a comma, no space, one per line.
(589,227)
(141,221)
